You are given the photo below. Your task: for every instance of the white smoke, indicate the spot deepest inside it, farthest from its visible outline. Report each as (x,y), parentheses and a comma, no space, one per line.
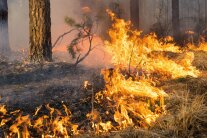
(19,24)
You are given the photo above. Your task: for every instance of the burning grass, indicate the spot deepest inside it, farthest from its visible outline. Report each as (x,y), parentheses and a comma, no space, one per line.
(53,123)
(131,97)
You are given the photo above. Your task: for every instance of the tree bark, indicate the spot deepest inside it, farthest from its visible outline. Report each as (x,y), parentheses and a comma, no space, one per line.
(40,31)
(134,12)
(4,33)
(176,19)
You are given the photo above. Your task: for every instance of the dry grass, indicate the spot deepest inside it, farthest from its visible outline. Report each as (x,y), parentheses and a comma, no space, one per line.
(186,109)
(187,118)
(200,60)
(186,114)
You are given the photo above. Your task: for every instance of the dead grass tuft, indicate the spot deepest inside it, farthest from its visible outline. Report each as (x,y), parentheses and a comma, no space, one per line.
(188,117)
(200,60)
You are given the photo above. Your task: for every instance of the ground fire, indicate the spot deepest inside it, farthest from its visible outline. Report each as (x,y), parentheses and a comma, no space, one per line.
(153,86)
(131,98)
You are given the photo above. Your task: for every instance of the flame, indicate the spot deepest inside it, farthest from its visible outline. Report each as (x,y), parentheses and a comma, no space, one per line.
(3,109)
(129,48)
(23,121)
(131,91)
(56,124)
(202,46)
(131,97)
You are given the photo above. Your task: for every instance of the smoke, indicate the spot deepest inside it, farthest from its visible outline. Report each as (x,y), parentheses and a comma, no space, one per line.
(19,20)
(149,10)
(19,26)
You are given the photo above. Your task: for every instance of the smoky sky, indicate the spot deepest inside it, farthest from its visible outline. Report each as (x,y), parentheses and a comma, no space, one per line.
(150,12)
(19,20)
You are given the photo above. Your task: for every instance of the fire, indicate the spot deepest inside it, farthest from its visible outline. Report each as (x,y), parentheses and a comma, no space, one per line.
(23,121)
(201,47)
(131,97)
(131,94)
(56,124)
(133,51)
(3,109)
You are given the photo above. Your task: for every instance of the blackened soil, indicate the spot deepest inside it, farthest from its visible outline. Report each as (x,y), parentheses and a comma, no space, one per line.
(27,86)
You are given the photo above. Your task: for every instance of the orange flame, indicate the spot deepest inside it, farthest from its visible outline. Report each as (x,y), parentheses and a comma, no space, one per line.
(130,85)
(131,96)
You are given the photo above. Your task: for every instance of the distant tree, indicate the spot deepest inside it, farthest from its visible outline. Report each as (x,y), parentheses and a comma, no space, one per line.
(176,19)
(205,11)
(40,31)
(162,27)
(4,35)
(134,12)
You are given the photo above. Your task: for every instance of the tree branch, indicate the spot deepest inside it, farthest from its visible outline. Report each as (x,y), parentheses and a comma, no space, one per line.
(61,36)
(90,38)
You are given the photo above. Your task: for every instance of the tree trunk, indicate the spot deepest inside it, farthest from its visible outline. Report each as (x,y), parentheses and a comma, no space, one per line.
(4,34)
(176,20)
(40,31)
(134,12)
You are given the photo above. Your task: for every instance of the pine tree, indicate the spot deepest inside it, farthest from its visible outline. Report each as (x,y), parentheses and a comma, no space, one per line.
(176,19)
(134,12)
(40,31)
(4,34)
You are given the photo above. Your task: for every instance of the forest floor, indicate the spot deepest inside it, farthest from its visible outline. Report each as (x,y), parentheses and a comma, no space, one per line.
(27,86)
